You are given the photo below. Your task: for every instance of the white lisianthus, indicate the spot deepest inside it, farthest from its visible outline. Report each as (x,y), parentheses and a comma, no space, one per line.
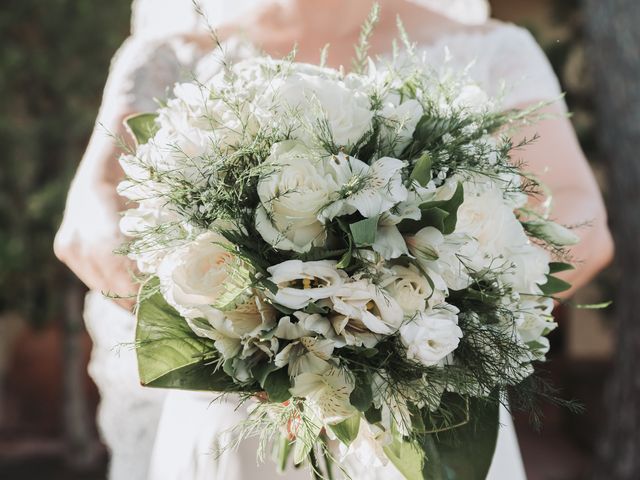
(307,98)
(300,283)
(411,289)
(291,195)
(368,189)
(432,335)
(197,274)
(327,394)
(362,312)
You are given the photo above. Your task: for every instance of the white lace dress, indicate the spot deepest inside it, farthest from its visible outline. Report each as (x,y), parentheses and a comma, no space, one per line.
(170,435)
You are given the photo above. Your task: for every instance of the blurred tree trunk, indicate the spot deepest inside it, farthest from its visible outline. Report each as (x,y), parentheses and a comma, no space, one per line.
(614,53)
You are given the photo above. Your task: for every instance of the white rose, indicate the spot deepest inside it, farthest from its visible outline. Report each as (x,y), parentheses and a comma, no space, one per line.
(432,335)
(197,274)
(291,195)
(362,313)
(488,218)
(300,283)
(308,99)
(411,289)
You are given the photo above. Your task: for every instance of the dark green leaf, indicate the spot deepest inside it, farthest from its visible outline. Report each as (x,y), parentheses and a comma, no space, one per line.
(142,126)
(554,285)
(169,354)
(362,396)
(556,267)
(262,370)
(277,385)
(466,452)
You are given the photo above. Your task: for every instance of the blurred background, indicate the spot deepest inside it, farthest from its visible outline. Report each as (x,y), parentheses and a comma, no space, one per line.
(53,64)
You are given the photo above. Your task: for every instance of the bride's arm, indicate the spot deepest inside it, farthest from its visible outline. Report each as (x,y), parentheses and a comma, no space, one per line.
(89,231)
(140,73)
(557,159)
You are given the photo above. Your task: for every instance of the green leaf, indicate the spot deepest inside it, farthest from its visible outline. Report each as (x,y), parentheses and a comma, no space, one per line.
(283,453)
(262,370)
(593,306)
(441,214)
(421,172)
(362,396)
(142,126)
(554,285)
(364,232)
(556,267)
(170,354)
(306,437)
(277,385)
(406,457)
(466,452)
(347,430)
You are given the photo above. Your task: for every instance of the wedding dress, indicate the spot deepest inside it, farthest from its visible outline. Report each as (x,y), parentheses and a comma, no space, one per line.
(171,435)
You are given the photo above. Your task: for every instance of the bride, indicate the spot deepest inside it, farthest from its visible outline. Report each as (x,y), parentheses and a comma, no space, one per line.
(171,435)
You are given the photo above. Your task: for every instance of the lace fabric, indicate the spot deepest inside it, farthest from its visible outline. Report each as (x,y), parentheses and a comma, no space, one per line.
(142,73)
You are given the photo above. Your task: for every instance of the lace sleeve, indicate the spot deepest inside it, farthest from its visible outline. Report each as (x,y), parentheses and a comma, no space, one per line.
(143,71)
(518,64)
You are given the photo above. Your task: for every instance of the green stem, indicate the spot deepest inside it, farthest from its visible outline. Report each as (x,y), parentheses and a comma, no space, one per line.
(315,467)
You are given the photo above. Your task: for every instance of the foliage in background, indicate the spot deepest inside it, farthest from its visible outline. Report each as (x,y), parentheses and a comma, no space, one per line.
(53,65)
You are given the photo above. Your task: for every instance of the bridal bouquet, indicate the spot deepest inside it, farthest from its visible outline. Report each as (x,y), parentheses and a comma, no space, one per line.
(353,254)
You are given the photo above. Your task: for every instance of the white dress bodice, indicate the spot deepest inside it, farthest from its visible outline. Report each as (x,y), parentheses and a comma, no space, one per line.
(170,435)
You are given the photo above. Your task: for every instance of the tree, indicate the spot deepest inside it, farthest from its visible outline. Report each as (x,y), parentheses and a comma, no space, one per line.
(614,40)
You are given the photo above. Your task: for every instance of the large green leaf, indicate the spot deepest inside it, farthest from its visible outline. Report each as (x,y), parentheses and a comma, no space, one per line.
(170,354)
(465,452)
(142,126)
(421,172)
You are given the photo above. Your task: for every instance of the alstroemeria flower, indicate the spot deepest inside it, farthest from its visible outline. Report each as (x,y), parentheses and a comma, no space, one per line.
(310,351)
(300,283)
(327,393)
(368,189)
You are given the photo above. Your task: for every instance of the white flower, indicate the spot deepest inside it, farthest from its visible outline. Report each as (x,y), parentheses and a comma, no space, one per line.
(401,119)
(525,268)
(291,196)
(533,322)
(472,99)
(300,283)
(431,335)
(447,256)
(308,97)
(309,352)
(368,189)
(368,446)
(327,394)
(197,274)
(362,313)
(411,289)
